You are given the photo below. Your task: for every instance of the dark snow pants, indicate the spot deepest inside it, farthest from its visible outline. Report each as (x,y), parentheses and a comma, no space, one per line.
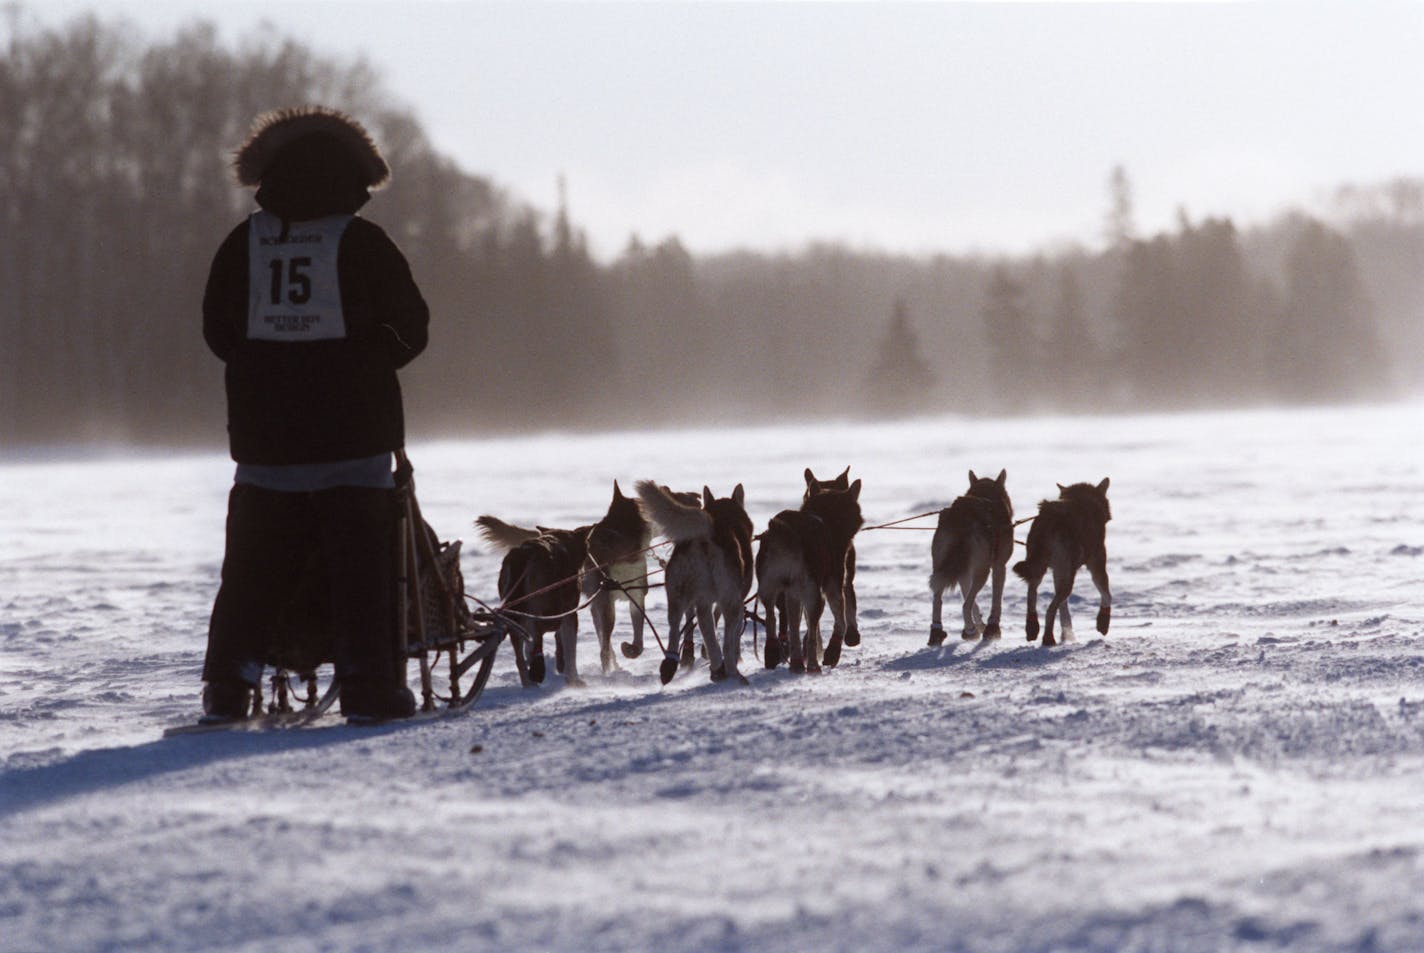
(273,540)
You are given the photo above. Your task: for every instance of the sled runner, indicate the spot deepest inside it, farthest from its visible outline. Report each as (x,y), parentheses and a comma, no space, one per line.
(435,627)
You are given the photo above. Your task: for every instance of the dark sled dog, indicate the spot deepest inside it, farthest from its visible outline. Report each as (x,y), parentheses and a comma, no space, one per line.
(1067,533)
(840,484)
(616,569)
(973,540)
(806,561)
(539,587)
(709,571)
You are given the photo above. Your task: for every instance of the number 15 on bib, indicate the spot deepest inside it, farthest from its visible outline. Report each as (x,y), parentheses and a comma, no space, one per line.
(294,293)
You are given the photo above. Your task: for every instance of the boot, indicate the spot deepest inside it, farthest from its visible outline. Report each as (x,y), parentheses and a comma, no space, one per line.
(226,701)
(370,700)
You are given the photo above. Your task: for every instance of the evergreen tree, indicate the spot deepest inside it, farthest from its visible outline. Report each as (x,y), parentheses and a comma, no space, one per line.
(1120,227)
(1071,352)
(1328,342)
(900,380)
(1015,372)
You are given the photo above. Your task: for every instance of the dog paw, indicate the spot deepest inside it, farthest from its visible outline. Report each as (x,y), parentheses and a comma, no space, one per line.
(668,669)
(797,665)
(1031,629)
(1104,617)
(1049,640)
(536,669)
(719,673)
(936,635)
(832,656)
(969,635)
(773,652)
(852,637)
(630,650)
(992,631)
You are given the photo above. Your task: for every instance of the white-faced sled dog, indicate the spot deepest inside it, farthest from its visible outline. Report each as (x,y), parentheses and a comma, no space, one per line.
(1068,532)
(805,562)
(973,540)
(688,631)
(709,571)
(617,569)
(539,591)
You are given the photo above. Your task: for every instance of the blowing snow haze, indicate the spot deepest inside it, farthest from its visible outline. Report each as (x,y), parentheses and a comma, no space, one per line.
(849,209)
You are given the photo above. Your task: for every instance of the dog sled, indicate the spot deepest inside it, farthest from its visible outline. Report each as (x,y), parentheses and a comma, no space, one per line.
(453,646)
(435,621)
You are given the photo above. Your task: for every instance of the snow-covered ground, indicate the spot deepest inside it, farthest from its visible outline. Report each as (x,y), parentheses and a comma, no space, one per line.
(1239,765)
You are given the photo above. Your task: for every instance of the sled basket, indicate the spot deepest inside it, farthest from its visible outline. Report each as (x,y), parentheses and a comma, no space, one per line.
(433,618)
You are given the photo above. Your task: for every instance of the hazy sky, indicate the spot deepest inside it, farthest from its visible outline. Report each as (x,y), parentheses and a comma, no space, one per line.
(902,126)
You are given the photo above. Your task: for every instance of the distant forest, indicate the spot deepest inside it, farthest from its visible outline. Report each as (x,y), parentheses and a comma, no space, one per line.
(115,191)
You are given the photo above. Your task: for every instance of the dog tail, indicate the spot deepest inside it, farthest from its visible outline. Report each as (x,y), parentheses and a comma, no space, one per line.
(502,535)
(678,521)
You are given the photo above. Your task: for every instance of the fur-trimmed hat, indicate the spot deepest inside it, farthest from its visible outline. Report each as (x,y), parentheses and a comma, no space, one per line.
(274,131)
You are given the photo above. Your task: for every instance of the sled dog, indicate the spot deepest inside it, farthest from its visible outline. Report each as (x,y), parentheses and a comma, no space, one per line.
(1067,533)
(617,569)
(689,621)
(840,484)
(709,570)
(539,587)
(973,540)
(805,562)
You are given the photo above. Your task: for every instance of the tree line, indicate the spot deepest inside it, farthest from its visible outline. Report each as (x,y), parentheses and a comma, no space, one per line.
(115,190)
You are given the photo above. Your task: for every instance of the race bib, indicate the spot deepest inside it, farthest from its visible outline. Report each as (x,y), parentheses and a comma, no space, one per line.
(293,290)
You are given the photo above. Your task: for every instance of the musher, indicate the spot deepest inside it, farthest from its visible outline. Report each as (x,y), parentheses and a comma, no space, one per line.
(313,310)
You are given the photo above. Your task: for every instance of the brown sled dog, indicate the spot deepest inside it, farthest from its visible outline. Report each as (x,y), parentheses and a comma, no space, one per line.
(805,562)
(617,568)
(1067,533)
(973,540)
(539,588)
(709,571)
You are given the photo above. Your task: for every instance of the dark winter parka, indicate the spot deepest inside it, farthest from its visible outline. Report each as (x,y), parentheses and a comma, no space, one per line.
(294,396)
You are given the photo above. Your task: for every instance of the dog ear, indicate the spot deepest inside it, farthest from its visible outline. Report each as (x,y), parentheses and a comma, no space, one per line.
(1002,478)
(1103,486)
(810,477)
(617,493)
(843,480)
(739,496)
(972,478)
(855,490)
(707,498)
(1061,488)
